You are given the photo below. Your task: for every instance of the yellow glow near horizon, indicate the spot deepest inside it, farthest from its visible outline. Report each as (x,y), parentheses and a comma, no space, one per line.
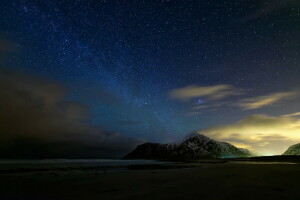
(260,133)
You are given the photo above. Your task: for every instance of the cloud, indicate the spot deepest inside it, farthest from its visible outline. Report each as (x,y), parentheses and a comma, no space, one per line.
(215,92)
(292,115)
(262,101)
(261,133)
(192,113)
(6,48)
(212,98)
(214,106)
(201,107)
(38,121)
(197,110)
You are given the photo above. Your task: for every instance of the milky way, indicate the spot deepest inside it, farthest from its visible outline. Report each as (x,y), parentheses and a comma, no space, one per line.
(123,60)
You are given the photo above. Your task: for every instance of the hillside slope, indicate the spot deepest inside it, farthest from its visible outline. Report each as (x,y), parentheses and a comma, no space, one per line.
(196,147)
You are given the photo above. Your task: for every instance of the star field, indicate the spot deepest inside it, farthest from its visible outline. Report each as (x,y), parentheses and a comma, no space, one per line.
(121,59)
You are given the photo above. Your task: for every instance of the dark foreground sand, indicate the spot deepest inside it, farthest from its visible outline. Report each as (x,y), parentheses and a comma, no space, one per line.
(203,181)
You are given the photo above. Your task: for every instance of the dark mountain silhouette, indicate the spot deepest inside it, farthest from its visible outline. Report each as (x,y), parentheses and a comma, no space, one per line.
(293,150)
(195,147)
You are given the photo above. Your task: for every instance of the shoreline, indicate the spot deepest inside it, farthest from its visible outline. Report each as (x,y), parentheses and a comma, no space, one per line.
(71,165)
(194,181)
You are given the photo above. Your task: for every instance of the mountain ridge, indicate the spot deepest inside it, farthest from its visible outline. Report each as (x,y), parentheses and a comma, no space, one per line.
(197,146)
(293,150)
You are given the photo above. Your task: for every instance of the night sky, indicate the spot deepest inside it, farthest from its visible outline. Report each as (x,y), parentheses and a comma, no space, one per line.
(107,75)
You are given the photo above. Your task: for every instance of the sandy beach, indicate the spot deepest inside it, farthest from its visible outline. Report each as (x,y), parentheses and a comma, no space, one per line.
(231,180)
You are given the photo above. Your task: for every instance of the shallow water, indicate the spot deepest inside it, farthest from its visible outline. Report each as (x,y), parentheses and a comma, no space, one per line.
(263,163)
(96,161)
(72,163)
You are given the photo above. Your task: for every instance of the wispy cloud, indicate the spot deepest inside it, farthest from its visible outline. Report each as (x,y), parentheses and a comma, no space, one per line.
(201,107)
(193,113)
(204,98)
(197,110)
(215,92)
(293,114)
(261,133)
(262,101)
(214,106)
